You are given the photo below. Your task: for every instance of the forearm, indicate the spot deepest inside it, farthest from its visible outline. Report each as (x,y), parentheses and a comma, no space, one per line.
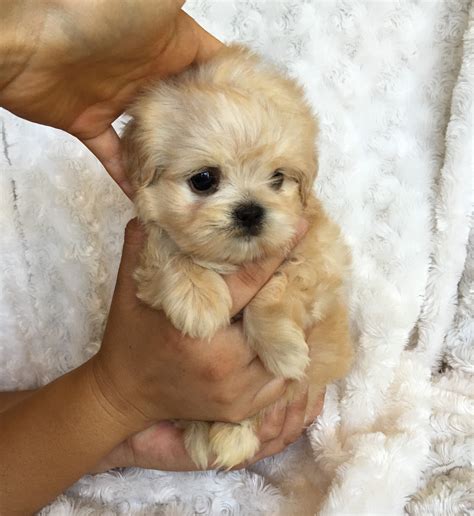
(8,399)
(53,437)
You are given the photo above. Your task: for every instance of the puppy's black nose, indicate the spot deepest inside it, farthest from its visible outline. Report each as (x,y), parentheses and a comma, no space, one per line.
(249,216)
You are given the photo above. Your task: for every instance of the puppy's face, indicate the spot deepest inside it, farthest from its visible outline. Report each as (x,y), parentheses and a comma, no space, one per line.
(225,174)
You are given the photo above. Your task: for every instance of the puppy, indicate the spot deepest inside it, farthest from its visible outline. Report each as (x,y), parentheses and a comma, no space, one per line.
(223,161)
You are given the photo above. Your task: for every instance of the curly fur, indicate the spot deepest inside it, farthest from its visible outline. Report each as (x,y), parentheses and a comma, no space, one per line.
(241,116)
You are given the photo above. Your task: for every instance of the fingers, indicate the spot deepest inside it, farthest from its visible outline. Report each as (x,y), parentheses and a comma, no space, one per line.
(269,393)
(289,430)
(272,423)
(106,147)
(160,447)
(312,412)
(249,391)
(291,427)
(207,45)
(294,420)
(249,279)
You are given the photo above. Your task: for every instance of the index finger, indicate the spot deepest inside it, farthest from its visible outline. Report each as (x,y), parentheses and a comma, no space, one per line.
(250,278)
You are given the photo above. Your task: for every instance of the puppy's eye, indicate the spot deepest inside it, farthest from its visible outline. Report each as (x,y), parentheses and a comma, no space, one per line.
(277,179)
(205,181)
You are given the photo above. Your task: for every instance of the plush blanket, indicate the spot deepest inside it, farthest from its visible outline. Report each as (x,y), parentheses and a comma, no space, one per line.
(392,83)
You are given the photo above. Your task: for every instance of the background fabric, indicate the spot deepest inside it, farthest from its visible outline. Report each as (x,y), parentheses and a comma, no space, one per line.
(391,82)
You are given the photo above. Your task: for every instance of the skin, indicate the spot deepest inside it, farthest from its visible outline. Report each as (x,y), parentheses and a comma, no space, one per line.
(77,65)
(67,64)
(108,412)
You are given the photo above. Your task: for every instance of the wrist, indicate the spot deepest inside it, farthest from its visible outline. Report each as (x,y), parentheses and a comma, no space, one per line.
(11,398)
(116,403)
(120,457)
(71,413)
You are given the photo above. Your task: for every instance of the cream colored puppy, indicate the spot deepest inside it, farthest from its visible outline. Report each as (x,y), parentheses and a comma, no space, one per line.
(223,160)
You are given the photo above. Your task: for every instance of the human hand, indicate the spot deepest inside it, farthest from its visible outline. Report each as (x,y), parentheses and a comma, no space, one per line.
(148,371)
(77,65)
(161,446)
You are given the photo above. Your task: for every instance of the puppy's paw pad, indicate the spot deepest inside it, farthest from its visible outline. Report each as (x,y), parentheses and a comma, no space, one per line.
(232,444)
(196,442)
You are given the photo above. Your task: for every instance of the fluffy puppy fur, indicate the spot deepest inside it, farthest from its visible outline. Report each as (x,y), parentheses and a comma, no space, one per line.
(223,160)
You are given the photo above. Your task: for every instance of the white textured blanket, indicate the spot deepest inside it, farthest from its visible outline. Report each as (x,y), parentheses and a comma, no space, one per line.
(392,84)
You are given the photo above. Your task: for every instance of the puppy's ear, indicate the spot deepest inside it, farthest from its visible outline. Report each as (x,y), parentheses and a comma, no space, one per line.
(139,167)
(308,165)
(305,177)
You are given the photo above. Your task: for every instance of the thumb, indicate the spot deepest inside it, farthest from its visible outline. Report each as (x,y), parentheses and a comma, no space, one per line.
(107,147)
(132,245)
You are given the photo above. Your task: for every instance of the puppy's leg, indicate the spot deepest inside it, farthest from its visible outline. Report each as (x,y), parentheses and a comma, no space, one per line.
(301,294)
(331,350)
(233,444)
(196,300)
(274,331)
(196,441)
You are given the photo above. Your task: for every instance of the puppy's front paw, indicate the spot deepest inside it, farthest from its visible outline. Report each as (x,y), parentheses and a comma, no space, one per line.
(288,355)
(198,312)
(233,444)
(197,301)
(280,345)
(196,442)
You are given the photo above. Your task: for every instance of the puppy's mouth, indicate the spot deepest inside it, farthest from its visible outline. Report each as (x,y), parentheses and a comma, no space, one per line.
(249,233)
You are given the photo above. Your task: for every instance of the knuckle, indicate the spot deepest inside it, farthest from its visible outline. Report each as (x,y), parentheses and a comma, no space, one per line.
(236,415)
(271,427)
(269,433)
(273,448)
(291,437)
